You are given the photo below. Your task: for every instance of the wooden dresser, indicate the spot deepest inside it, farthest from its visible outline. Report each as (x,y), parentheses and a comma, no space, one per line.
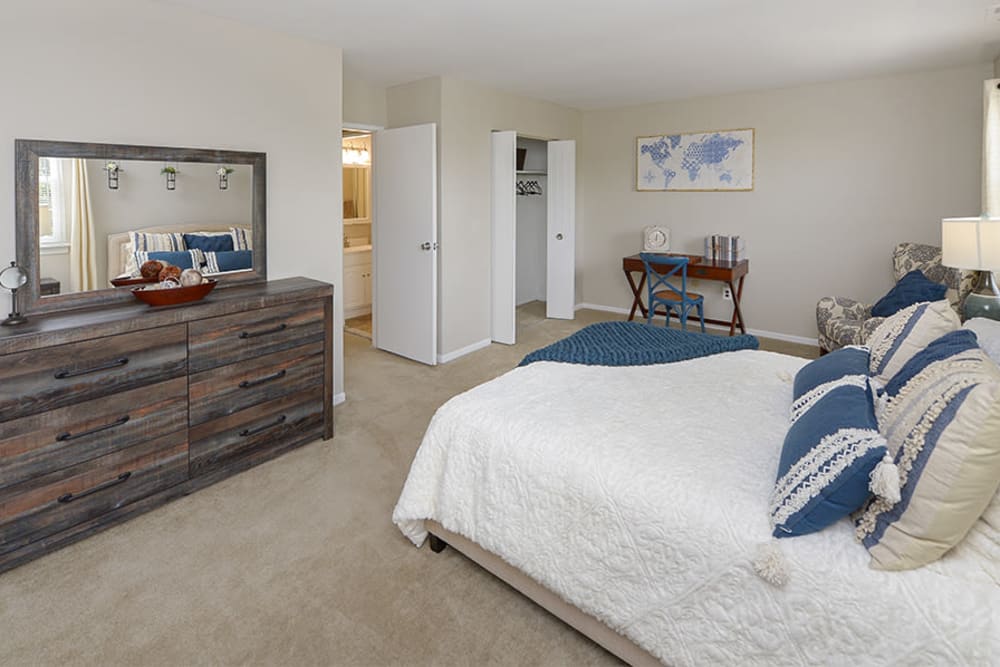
(108,412)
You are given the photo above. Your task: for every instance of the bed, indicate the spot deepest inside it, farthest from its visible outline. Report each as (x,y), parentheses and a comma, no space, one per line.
(120,247)
(631,501)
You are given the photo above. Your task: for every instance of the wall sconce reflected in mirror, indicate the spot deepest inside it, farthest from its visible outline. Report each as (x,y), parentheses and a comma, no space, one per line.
(223,173)
(171,173)
(113,169)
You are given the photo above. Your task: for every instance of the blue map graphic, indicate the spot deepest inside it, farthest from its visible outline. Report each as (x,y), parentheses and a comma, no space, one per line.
(711,161)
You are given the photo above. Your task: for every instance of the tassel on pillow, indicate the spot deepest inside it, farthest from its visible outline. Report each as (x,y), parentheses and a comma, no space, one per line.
(769,563)
(885,480)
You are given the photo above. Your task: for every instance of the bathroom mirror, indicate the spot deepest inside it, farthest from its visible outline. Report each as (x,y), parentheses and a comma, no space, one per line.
(86,213)
(357,192)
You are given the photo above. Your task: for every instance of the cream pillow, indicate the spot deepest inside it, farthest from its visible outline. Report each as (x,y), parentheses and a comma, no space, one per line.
(943,428)
(901,336)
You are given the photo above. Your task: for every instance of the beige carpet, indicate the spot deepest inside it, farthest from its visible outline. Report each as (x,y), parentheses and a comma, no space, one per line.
(296,562)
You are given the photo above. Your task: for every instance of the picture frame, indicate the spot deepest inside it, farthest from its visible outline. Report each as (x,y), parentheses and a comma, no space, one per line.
(709,161)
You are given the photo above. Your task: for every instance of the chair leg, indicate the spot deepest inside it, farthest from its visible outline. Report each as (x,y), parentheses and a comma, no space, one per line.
(684,319)
(701,316)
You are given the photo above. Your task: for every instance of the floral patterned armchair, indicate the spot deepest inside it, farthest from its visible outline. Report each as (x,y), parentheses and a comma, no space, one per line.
(842,321)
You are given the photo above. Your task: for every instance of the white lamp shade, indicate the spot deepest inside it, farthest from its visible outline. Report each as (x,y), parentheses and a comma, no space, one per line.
(971,243)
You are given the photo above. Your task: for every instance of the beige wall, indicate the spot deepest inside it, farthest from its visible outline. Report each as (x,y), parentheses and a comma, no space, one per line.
(843,172)
(363,102)
(466,114)
(138,72)
(414,103)
(469,113)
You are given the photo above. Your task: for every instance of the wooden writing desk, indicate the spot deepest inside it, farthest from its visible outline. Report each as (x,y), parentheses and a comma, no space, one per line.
(700,268)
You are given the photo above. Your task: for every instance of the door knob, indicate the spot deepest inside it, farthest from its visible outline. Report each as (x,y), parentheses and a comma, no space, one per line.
(559,237)
(426,245)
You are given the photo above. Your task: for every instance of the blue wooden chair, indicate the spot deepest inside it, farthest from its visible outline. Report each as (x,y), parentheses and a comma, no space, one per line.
(662,292)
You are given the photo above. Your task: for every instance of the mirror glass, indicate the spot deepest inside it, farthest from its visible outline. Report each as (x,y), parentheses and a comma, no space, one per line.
(87,216)
(356,192)
(91,211)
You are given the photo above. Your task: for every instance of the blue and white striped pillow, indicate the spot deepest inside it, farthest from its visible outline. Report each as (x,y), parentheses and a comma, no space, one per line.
(941,420)
(831,448)
(184,259)
(232,260)
(156,242)
(242,238)
(900,337)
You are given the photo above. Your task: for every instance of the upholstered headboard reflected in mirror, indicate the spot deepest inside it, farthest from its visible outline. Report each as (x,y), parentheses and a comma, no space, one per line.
(81,209)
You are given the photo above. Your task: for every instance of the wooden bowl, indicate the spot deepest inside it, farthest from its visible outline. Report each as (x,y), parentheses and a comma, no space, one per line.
(175,295)
(125,282)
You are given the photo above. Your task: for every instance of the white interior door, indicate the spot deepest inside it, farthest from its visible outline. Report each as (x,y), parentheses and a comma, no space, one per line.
(405,241)
(560,269)
(503,279)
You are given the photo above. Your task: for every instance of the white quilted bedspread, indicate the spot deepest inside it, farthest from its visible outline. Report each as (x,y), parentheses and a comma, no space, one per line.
(640,494)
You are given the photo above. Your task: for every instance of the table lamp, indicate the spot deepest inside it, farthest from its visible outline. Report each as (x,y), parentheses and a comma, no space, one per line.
(974,243)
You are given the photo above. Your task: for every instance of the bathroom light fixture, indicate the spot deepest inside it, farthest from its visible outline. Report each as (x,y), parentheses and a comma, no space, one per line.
(355,156)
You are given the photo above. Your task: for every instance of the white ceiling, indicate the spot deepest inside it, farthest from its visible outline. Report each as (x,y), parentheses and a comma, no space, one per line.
(589,55)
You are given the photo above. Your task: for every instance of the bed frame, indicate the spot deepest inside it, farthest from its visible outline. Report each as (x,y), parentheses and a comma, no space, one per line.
(580,621)
(118,258)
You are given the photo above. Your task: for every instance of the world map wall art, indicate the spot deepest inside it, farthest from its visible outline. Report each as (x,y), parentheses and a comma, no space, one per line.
(698,161)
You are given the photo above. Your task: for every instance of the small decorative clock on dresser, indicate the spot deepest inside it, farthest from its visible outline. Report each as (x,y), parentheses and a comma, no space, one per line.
(107,412)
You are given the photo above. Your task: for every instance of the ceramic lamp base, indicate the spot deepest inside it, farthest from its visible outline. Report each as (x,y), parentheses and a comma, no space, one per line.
(985,299)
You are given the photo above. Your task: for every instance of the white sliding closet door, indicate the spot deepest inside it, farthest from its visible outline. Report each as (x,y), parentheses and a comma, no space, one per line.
(560,267)
(503,282)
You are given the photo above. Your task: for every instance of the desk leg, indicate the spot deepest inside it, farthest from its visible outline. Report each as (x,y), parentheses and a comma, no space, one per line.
(737,310)
(636,294)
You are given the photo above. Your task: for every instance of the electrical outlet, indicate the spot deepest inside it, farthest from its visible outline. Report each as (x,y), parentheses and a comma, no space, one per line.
(727,293)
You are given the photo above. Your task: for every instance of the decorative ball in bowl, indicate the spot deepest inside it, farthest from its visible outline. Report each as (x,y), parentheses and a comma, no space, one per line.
(171,293)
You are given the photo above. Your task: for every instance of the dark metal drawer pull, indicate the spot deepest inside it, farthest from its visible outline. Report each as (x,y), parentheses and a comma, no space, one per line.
(62,375)
(247,334)
(246,433)
(246,384)
(63,437)
(69,497)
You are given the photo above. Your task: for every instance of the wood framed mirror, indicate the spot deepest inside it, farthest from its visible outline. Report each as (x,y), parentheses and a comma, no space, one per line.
(80,206)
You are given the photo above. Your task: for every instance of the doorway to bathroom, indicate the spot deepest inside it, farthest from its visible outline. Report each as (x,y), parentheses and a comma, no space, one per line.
(357,289)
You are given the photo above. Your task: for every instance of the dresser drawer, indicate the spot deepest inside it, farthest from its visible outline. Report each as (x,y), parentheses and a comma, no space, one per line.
(272,425)
(54,377)
(36,445)
(48,504)
(219,341)
(223,391)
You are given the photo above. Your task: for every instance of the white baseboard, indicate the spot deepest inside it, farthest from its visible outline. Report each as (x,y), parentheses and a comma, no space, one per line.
(339,398)
(461,352)
(606,309)
(775,335)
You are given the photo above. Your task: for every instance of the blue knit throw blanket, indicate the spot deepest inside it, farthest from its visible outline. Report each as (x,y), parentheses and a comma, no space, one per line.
(636,344)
